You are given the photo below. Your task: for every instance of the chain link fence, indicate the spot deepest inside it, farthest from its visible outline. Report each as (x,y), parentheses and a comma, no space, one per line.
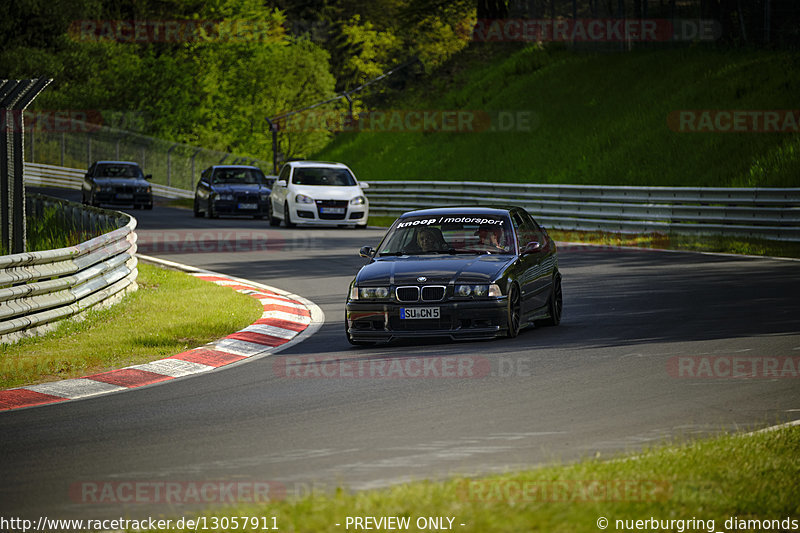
(57,139)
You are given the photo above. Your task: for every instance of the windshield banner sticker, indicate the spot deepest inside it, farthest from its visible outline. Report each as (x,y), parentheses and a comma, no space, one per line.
(479,220)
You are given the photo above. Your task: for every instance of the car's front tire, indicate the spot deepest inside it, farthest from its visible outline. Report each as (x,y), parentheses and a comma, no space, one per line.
(197,212)
(273,220)
(210,213)
(286,219)
(514,312)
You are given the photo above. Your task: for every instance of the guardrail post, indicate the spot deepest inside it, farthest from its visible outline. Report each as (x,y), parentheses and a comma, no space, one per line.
(15,96)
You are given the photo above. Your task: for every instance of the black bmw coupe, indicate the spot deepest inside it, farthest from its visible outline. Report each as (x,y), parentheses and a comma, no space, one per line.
(458,272)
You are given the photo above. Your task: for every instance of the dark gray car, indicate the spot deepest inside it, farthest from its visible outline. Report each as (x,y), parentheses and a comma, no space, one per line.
(117,183)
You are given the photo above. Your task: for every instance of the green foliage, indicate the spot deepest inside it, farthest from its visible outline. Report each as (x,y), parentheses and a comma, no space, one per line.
(49,232)
(217,89)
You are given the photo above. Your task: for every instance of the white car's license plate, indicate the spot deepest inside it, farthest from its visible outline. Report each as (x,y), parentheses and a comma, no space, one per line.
(332,210)
(123,196)
(419,312)
(248,206)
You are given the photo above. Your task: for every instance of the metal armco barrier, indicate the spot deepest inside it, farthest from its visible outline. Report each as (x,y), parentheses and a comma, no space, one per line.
(762,213)
(38,175)
(40,288)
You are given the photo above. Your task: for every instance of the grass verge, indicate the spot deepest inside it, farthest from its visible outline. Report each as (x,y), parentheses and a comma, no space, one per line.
(181,203)
(750,477)
(170,313)
(572,117)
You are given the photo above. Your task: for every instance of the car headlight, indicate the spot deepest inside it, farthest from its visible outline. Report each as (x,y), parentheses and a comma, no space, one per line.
(303,199)
(480,290)
(358,200)
(368,293)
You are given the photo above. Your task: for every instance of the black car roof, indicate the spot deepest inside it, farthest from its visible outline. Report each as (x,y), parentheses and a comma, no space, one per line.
(116,163)
(465,210)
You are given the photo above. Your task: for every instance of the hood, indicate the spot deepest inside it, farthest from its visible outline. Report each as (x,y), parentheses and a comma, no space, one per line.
(240,187)
(440,270)
(323,192)
(120,182)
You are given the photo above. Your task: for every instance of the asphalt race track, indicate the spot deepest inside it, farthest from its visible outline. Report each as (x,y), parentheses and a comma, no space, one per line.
(616,375)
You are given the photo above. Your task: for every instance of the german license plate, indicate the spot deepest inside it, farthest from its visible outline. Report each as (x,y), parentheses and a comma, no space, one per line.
(248,206)
(408,313)
(124,196)
(332,210)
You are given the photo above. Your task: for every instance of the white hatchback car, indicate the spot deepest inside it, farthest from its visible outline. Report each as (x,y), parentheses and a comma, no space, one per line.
(317,193)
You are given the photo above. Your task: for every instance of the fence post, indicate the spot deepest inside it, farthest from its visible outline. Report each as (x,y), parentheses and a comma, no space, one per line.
(15,96)
(169,164)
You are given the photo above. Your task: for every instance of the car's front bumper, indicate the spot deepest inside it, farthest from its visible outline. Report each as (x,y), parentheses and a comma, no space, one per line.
(462,319)
(123,198)
(228,207)
(313,214)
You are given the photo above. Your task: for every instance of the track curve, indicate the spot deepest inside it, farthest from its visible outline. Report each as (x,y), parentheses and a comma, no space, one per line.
(604,381)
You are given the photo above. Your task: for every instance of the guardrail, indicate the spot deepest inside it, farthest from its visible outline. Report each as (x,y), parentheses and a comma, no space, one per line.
(39,175)
(764,213)
(40,288)
(743,212)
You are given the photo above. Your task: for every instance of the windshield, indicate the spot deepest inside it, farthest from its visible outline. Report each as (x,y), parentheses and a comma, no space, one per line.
(243,176)
(338,177)
(118,171)
(449,234)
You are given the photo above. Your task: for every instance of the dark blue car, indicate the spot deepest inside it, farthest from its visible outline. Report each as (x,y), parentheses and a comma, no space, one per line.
(232,190)
(117,183)
(458,272)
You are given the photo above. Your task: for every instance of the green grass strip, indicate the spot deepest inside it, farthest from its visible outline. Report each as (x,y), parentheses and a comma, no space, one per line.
(170,313)
(722,479)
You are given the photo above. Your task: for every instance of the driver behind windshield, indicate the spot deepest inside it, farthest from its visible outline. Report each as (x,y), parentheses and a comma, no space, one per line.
(428,240)
(491,237)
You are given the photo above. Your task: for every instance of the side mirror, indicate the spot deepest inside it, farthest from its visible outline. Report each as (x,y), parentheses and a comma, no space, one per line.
(531,248)
(148,177)
(280,183)
(367,252)
(364,184)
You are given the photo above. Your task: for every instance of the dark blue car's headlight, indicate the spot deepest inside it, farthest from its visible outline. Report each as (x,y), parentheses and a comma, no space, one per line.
(368,293)
(478,290)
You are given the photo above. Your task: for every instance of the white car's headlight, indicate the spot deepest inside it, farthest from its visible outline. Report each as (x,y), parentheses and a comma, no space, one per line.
(303,199)
(358,200)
